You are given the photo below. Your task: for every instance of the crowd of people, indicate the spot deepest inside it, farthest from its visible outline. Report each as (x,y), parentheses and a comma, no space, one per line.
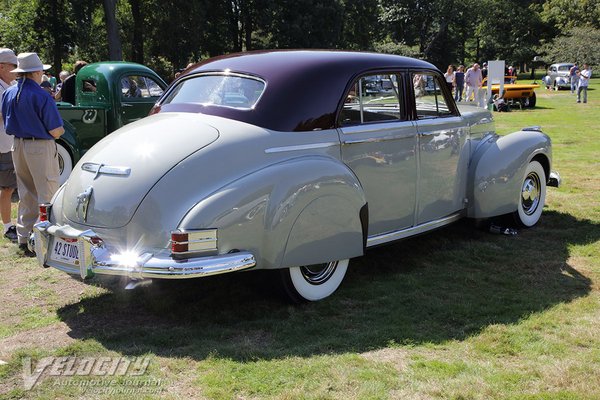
(28,151)
(470,82)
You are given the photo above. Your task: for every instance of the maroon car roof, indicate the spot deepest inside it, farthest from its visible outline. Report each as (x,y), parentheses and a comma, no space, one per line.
(304,87)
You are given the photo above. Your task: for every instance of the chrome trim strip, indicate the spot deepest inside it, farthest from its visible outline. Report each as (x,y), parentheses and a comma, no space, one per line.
(300,147)
(105,169)
(404,233)
(97,259)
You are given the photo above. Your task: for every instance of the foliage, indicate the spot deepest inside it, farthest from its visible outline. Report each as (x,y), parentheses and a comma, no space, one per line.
(440,31)
(580,45)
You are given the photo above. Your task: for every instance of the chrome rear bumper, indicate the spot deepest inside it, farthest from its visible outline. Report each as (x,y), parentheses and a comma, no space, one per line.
(97,259)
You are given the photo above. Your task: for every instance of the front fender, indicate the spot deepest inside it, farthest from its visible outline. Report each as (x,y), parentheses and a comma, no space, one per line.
(303,210)
(497,169)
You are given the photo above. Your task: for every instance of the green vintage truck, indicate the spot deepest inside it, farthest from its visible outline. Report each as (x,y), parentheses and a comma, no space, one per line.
(108,96)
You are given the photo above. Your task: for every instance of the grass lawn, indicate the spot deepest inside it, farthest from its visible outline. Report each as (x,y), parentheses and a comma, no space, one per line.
(456,314)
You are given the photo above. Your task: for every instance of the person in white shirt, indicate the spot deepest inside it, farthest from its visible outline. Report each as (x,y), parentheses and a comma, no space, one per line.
(8,178)
(473,80)
(449,75)
(584,81)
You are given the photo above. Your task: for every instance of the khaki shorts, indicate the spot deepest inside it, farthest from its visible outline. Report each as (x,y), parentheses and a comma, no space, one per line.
(8,179)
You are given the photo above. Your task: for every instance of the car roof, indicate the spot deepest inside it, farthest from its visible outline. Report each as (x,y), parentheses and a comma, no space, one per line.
(304,87)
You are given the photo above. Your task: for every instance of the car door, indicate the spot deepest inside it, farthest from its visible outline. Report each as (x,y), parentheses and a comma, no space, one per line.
(138,94)
(379,145)
(442,155)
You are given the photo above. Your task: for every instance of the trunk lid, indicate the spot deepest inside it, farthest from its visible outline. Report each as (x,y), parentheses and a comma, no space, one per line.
(109,183)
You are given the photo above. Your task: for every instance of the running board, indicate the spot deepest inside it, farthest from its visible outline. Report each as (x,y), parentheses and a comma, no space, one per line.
(415,230)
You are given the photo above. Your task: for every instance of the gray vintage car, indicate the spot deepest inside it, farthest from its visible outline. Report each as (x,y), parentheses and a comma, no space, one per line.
(558,76)
(282,160)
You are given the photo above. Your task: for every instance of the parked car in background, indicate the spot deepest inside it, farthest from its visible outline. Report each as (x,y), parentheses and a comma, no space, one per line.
(105,101)
(277,160)
(522,93)
(558,76)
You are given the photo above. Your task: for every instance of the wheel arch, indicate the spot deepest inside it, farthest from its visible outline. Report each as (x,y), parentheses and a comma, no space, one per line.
(497,169)
(259,211)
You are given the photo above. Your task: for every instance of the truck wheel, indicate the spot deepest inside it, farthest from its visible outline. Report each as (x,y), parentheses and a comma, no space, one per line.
(65,163)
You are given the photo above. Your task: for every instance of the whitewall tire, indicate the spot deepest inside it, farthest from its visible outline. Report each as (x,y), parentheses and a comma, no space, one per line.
(532,196)
(313,282)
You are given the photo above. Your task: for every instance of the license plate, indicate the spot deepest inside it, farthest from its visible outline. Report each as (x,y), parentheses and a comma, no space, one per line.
(65,250)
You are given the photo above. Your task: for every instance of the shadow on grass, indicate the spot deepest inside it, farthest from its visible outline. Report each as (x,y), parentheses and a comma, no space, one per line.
(447,285)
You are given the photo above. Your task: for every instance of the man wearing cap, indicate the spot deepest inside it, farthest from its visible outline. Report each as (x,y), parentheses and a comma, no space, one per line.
(8,179)
(31,116)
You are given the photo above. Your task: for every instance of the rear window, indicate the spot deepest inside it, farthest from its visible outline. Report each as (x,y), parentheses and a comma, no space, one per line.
(225,90)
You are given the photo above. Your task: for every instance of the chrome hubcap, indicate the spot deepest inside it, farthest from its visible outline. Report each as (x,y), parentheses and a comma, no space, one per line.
(318,273)
(530,193)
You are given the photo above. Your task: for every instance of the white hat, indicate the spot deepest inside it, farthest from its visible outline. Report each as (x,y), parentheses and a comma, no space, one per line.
(30,62)
(7,56)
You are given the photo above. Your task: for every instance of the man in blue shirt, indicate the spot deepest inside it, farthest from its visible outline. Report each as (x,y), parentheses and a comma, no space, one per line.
(31,116)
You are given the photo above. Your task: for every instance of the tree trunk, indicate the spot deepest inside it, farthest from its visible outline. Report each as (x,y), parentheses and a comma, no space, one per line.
(57,45)
(138,31)
(114,41)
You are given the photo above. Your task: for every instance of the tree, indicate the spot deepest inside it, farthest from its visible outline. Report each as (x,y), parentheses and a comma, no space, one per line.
(580,45)
(114,41)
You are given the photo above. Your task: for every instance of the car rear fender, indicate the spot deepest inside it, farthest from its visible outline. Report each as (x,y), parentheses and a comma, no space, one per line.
(497,168)
(301,211)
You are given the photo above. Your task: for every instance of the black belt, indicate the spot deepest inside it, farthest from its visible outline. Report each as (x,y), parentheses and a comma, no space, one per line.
(31,138)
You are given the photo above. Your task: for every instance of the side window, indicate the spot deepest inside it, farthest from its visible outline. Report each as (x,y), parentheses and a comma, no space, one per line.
(430,100)
(373,98)
(139,86)
(89,86)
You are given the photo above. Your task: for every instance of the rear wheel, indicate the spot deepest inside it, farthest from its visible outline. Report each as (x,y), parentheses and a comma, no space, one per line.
(529,102)
(313,282)
(532,196)
(65,163)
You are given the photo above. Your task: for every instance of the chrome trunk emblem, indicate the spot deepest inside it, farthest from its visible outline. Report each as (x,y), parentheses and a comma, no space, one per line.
(83,200)
(105,169)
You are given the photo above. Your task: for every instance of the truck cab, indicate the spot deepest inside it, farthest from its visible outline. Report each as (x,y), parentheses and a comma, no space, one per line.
(108,96)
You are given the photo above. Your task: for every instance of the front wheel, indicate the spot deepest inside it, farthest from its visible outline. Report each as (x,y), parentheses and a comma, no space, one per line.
(65,163)
(313,282)
(532,196)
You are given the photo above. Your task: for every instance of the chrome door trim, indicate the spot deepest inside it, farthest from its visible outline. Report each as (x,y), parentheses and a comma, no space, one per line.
(415,230)
(300,147)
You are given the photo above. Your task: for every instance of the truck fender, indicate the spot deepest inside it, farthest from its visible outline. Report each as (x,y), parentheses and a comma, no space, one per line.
(497,169)
(69,141)
(299,211)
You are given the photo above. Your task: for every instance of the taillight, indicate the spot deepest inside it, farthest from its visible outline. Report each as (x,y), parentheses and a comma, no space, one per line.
(179,242)
(44,211)
(188,243)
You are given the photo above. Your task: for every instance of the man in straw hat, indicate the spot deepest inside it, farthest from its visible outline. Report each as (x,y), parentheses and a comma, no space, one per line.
(8,179)
(31,116)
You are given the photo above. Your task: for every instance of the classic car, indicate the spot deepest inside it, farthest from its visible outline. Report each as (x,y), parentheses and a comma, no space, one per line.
(522,93)
(558,76)
(277,160)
